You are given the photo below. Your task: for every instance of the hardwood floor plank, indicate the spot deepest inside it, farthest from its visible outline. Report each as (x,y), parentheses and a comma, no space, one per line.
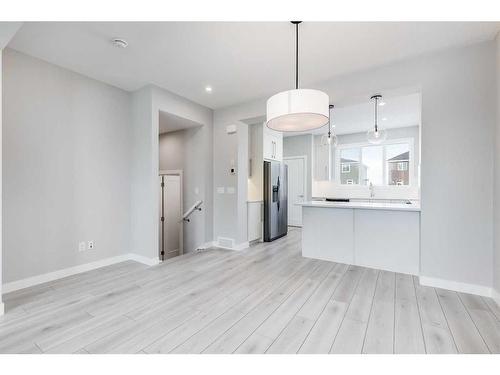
(84,339)
(321,337)
(465,333)
(493,306)
(408,335)
(352,331)
(380,331)
(437,335)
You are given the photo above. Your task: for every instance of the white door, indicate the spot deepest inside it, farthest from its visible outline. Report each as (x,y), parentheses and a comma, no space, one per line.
(171,230)
(296,188)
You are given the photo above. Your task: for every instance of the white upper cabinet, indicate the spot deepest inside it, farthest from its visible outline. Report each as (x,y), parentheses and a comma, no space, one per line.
(273,144)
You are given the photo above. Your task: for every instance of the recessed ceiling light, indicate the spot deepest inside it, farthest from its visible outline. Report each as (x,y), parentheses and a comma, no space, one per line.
(208,89)
(119,43)
(381,103)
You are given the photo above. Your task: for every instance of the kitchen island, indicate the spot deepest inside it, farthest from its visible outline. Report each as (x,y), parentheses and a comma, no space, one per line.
(372,234)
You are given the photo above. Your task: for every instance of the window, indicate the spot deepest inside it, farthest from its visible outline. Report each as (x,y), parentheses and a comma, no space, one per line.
(372,169)
(397,159)
(388,164)
(350,164)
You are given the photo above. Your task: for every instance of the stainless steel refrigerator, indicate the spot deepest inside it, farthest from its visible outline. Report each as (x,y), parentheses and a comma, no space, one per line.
(275,200)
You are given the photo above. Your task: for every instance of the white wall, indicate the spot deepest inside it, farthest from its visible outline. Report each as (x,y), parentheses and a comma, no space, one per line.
(171,148)
(197,180)
(66,168)
(458,120)
(496,226)
(230,217)
(1,175)
(256,153)
(242,185)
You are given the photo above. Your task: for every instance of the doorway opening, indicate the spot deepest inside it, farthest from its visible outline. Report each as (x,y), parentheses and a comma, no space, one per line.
(176,165)
(297,187)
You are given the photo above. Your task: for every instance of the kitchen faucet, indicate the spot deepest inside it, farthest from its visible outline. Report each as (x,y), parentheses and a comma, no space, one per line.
(372,193)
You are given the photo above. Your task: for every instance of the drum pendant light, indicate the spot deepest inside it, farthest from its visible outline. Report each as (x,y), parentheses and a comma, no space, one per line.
(299,109)
(376,135)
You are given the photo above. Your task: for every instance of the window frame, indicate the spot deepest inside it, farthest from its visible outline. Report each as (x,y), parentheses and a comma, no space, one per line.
(342,165)
(412,180)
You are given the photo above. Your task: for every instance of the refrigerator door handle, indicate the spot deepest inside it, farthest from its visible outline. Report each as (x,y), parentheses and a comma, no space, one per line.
(278,203)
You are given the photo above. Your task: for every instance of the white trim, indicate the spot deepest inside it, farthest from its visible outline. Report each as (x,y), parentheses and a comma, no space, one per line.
(242,246)
(238,247)
(59,274)
(496,297)
(2,309)
(206,245)
(456,286)
(142,259)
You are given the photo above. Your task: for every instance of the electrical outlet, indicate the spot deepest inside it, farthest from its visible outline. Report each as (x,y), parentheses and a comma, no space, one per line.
(90,245)
(81,246)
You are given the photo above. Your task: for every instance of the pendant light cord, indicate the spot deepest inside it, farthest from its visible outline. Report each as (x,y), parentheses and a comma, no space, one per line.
(376,114)
(330,107)
(296,56)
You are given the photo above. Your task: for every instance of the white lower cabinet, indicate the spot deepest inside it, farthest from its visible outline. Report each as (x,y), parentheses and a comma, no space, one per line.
(383,239)
(387,240)
(328,234)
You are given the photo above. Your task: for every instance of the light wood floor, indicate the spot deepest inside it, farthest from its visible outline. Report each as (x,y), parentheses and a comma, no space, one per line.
(267,299)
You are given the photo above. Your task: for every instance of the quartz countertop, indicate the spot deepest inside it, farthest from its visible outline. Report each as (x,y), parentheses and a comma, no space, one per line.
(414,206)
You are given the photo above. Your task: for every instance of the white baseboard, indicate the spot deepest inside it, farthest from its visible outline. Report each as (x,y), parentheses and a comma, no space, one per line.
(456,286)
(206,245)
(59,274)
(143,260)
(242,246)
(238,247)
(496,297)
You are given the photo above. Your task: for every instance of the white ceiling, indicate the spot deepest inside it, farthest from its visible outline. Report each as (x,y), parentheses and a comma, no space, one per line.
(240,60)
(7,31)
(171,123)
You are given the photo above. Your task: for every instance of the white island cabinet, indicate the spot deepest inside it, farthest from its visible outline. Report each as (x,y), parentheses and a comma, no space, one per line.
(385,236)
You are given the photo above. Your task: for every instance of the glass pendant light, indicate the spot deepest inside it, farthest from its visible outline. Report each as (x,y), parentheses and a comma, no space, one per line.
(376,135)
(299,109)
(330,138)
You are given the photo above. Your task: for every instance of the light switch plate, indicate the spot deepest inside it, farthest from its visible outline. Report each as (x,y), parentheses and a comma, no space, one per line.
(220,190)
(81,246)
